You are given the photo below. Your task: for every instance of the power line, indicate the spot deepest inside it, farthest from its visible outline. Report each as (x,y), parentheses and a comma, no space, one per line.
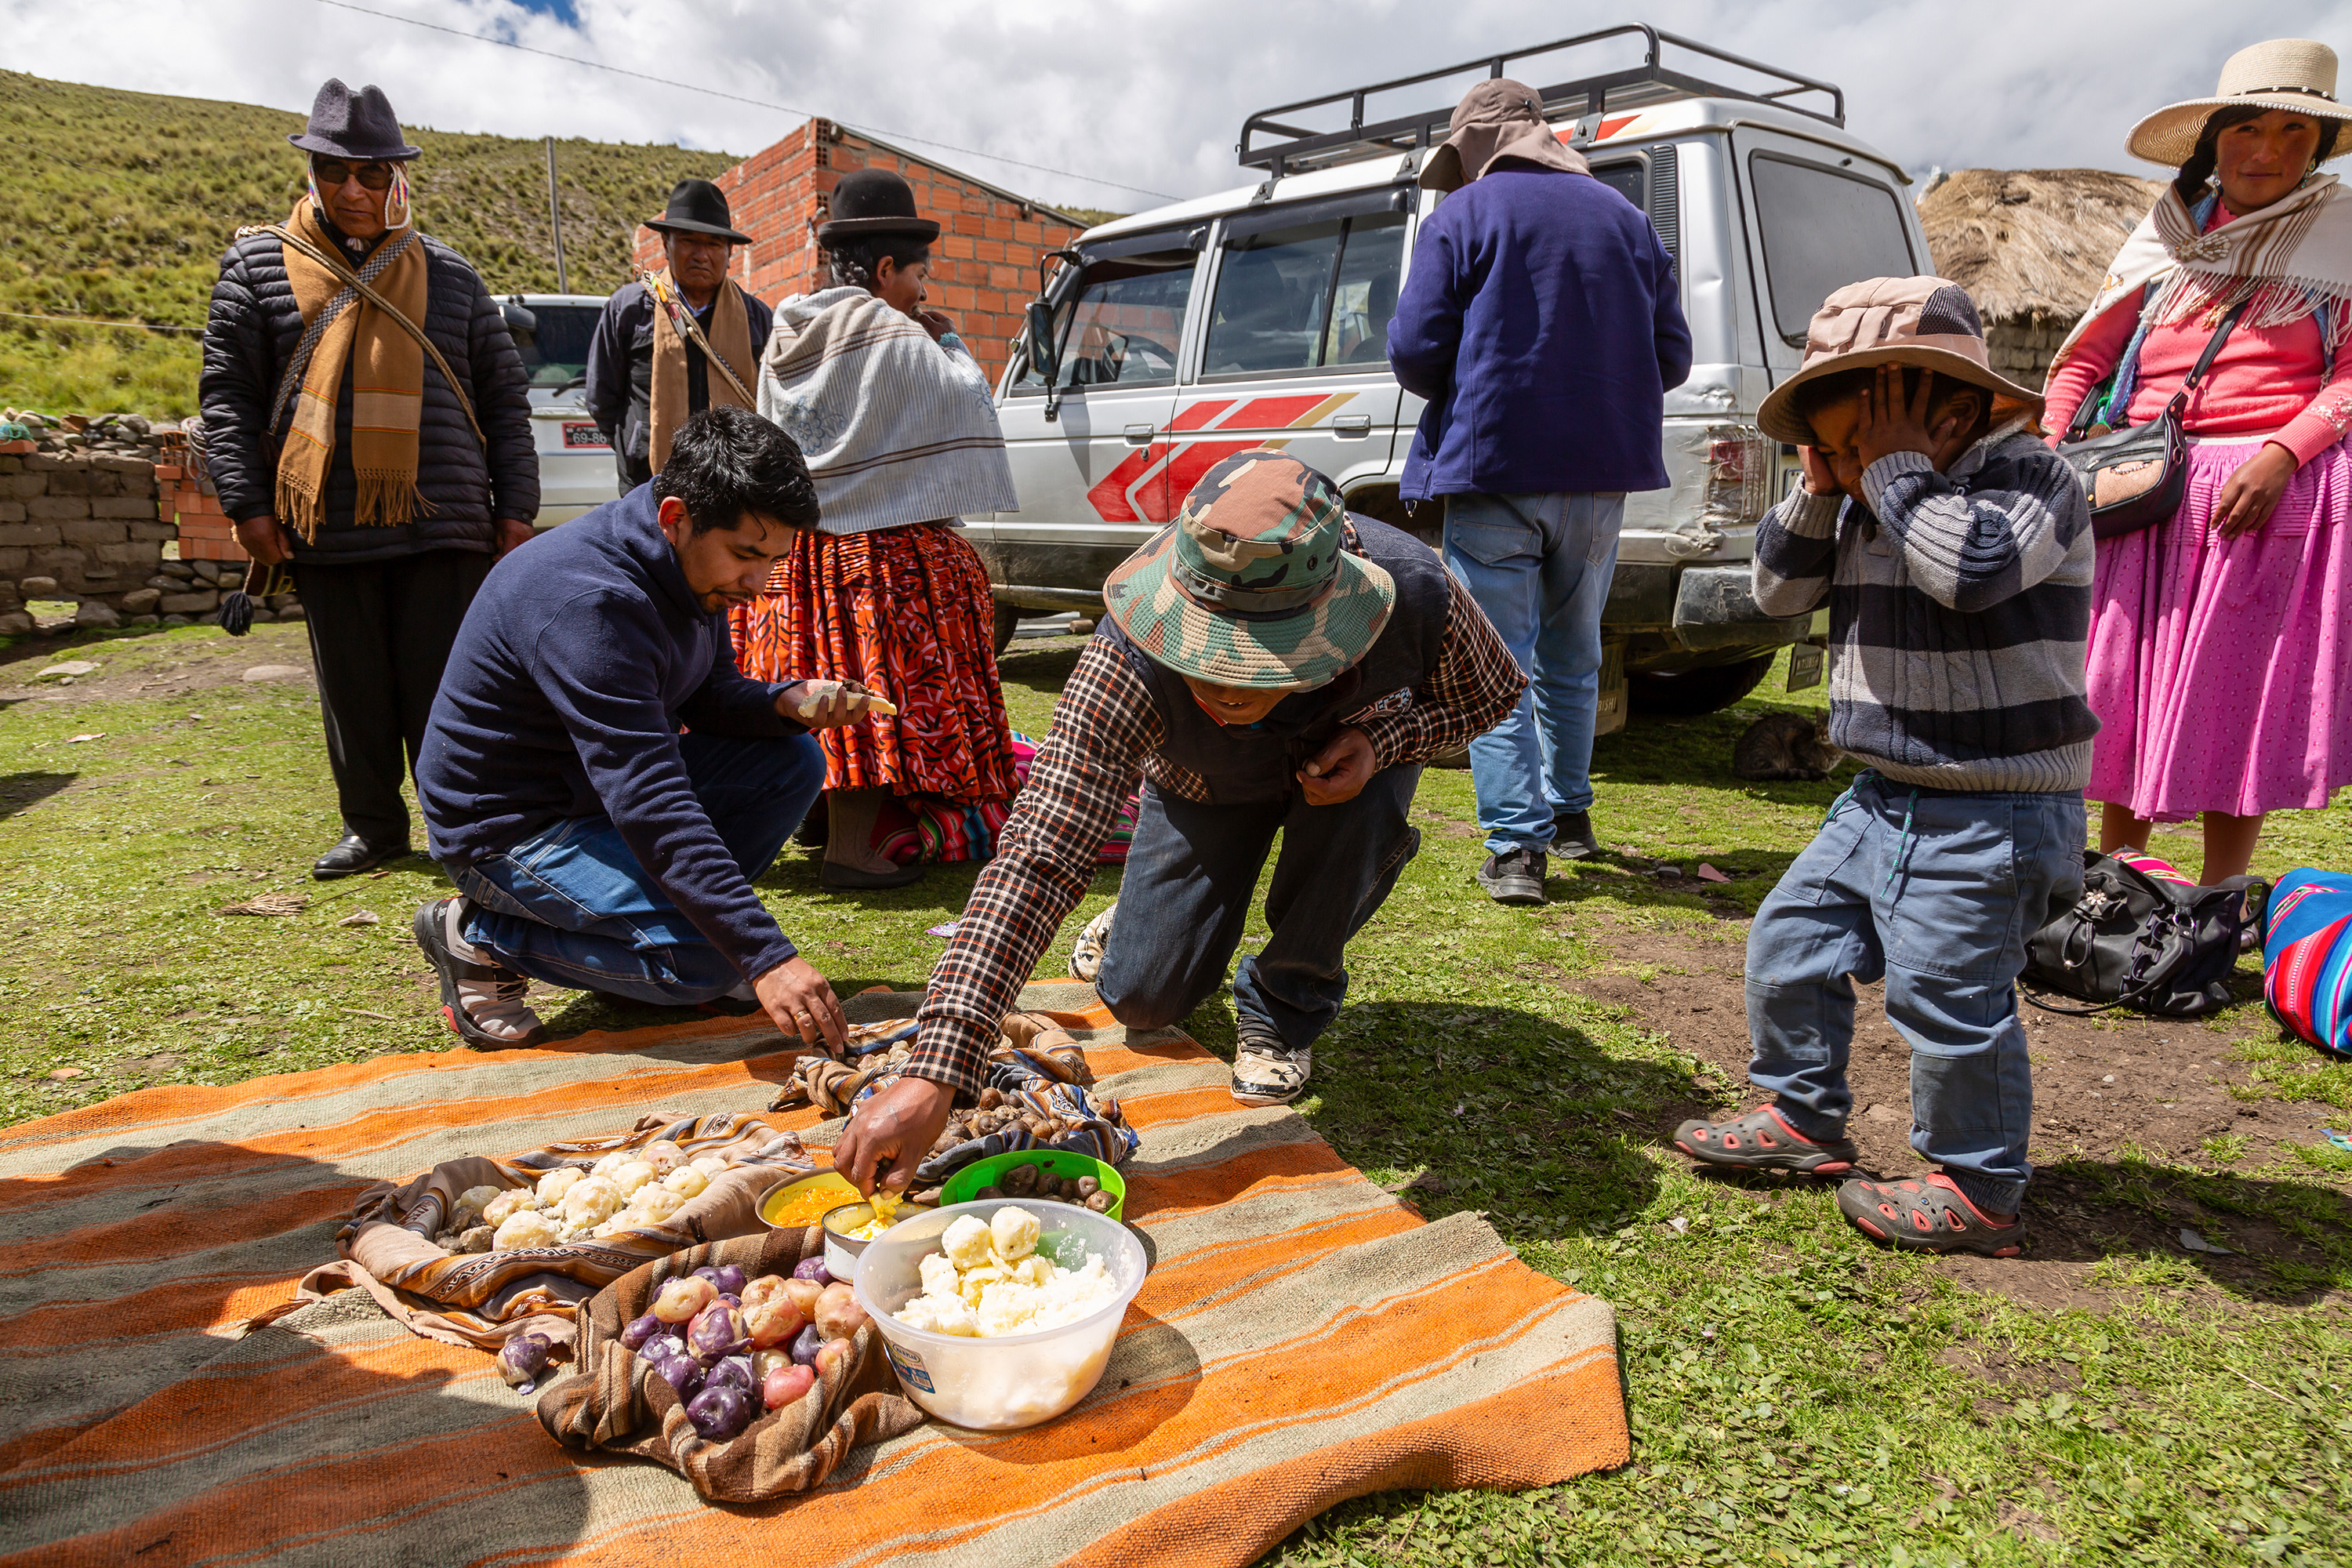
(738,98)
(96,322)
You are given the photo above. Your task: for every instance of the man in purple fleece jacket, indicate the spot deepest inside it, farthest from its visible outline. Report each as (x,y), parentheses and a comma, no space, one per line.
(1543,323)
(595,845)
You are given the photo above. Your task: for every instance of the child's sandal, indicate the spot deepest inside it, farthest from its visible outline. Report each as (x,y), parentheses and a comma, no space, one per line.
(1761,1140)
(1927,1215)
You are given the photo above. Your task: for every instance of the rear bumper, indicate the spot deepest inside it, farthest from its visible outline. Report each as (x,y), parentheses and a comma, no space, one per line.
(1698,609)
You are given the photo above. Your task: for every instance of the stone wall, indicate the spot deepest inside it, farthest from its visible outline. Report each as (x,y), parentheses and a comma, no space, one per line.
(89,514)
(2021,347)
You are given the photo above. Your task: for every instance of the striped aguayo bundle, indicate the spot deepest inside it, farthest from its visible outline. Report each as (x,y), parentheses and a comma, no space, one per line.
(1303,1338)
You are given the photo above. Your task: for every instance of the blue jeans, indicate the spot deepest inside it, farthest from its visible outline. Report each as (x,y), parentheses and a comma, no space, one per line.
(1937,893)
(570,904)
(1186,896)
(1539,566)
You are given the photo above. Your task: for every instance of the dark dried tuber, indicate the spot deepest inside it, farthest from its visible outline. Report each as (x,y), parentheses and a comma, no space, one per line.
(1089,1187)
(1099,1201)
(988,1195)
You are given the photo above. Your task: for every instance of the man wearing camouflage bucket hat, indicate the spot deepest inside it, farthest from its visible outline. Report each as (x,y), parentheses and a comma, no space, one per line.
(1268,663)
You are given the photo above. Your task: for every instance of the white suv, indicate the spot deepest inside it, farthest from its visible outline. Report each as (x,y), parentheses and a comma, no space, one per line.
(575,465)
(1171,339)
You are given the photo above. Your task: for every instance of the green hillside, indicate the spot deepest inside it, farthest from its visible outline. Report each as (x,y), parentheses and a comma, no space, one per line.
(117,204)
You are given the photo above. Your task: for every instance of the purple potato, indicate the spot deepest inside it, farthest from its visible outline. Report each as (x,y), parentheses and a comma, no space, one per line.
(641,1329)
(805,1346)
(707,1271)
(734,1301)
(735,1370)
(814,1269)
(716,1332)
(661,1347)
(522,1358)
(729,1278)
(720,1412)
(680,1372)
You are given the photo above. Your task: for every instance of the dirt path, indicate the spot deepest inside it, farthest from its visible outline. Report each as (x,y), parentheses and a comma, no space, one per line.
(2112,1095)
(149,669)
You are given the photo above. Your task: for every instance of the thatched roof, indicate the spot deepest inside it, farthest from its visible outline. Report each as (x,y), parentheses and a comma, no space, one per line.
(2031,242)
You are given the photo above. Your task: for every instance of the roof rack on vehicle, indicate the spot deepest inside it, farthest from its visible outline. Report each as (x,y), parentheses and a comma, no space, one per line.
(1642,86)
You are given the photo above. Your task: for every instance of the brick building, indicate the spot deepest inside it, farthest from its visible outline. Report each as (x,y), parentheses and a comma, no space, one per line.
(984,265)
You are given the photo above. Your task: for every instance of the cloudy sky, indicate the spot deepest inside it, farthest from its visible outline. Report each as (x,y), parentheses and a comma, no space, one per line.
(1133,100)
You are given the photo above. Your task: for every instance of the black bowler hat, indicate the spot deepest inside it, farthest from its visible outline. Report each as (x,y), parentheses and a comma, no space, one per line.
(698,206)
(359,125)
(872,201)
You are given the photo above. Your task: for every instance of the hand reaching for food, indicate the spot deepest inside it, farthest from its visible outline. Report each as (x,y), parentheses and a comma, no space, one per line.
(831,704)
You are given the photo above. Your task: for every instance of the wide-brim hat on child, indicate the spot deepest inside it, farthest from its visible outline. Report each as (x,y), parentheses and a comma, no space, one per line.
(1497,119)
(360,126)
(1251,585)
(1927,321)
(698,206)
(2297,75)
(870,202)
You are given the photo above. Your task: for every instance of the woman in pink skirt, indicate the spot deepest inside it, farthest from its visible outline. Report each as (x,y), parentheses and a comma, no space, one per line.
(2221,650)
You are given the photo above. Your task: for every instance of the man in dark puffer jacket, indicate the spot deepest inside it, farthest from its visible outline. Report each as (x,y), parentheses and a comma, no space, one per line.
(390,528)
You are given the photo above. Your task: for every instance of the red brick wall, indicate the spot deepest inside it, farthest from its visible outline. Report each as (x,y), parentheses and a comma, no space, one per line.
(984,265)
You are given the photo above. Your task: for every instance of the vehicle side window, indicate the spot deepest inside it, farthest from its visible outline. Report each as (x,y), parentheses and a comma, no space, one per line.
(1122,326)
(1308,296)
(1629,179)
(1823,229)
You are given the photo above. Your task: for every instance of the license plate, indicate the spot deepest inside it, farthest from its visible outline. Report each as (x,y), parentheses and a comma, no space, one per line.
(584,433)
(1806,662)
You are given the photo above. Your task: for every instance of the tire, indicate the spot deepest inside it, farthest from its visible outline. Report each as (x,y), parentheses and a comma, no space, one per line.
(1695,691)
(1008,616)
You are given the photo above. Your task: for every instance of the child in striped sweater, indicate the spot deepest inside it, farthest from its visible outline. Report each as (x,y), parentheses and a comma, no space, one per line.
(1954,552)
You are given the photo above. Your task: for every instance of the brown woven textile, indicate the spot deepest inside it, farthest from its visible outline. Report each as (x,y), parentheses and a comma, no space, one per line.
(485,1298)
(614,1402)
(731,335)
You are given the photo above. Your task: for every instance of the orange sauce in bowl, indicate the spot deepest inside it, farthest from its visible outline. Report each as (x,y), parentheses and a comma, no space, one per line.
(806,1206)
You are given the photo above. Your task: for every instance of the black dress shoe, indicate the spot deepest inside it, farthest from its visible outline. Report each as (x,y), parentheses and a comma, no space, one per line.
(355,855)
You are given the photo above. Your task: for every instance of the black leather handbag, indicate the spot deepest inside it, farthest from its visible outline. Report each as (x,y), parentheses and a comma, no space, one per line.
(2138,476)
(2141,942)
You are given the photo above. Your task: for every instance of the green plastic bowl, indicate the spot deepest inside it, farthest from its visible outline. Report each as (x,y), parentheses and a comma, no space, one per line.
(1057,1162)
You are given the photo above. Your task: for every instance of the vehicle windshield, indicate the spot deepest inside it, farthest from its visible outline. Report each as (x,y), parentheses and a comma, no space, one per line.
(1823,229)
(554,349)
(1123,323)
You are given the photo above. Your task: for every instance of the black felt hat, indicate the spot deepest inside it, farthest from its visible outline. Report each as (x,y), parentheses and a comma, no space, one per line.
(356,125)
(872,201)
(698,206)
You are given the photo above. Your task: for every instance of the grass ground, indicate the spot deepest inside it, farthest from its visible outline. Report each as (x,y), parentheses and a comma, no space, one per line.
(1797,1395)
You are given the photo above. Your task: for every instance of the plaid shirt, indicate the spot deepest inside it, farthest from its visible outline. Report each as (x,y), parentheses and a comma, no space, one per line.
(1106,736)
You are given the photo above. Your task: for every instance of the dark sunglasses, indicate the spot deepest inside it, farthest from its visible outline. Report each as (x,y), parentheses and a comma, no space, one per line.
(335,172)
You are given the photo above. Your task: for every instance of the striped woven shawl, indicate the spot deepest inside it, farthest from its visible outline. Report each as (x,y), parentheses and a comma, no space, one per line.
(896,428)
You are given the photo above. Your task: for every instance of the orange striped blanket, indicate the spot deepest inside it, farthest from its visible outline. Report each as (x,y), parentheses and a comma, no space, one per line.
(1303,1338)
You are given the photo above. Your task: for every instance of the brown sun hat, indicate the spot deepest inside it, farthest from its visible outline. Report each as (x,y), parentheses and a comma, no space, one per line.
(1927,321)
(2297,75)
(1497,119)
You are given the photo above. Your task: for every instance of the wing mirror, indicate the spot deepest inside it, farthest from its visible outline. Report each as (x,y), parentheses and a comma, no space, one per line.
(1043,356)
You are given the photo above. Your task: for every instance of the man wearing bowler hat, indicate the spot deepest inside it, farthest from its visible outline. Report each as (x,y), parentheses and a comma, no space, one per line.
(367,421)
(648,364)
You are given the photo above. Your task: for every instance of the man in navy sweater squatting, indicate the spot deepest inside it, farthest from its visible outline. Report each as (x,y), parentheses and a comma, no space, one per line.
(595,845)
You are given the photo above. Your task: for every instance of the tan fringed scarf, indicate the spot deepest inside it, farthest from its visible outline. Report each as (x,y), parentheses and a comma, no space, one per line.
(731,335)
(2292,258)
(387,368)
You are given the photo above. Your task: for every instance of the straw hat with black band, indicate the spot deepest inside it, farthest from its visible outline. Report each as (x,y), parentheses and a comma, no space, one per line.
(2297,75)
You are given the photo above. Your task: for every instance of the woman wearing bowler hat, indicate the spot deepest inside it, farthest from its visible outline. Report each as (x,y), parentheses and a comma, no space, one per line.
(646,376)
(388,476)
(894,418)
(2220,646)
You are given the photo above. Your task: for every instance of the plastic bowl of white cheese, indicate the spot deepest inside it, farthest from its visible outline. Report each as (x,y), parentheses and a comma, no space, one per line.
(997,1380)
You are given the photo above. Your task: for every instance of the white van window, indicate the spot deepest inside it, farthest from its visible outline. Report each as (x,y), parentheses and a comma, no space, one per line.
(1823,229)
(1123,326)
(1312,296)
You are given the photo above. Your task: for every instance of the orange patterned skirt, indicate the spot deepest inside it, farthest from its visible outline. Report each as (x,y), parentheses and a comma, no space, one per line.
(907,611)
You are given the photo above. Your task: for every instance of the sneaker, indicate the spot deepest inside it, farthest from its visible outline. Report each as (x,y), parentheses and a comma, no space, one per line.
(481,1001)
(1571,836)
(1268,1072)
(1086,952)
(1514,877)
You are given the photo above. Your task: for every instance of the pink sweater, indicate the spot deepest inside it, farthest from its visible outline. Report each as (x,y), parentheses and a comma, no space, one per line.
(2265,381)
